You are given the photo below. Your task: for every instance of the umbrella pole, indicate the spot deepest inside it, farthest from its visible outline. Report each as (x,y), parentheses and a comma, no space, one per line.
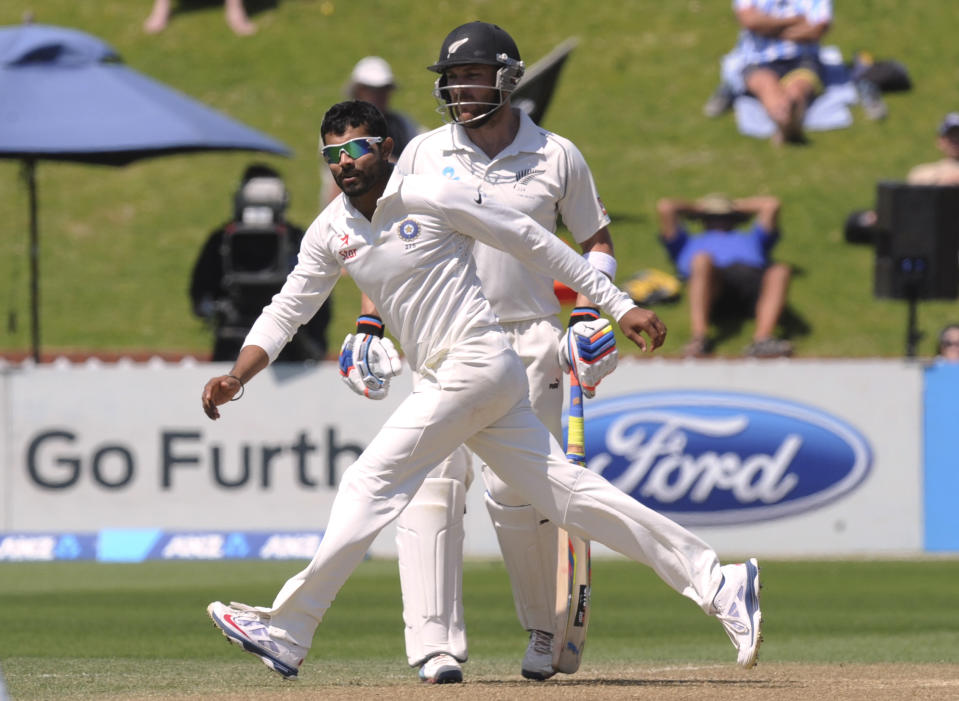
(34,260)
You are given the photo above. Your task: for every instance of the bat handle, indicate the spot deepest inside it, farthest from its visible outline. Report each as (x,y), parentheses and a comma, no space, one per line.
(575,437)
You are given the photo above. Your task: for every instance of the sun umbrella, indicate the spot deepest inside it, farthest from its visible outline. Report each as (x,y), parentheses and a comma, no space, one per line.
(66,96)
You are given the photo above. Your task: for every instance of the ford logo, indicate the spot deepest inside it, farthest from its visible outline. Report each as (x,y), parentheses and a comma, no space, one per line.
(713,458)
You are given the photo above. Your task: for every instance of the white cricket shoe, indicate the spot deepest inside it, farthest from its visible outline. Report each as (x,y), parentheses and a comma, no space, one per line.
(441,669)
(538,660)
(737,607)
(245,626)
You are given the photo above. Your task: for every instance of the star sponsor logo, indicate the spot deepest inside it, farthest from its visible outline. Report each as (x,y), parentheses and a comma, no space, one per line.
(714,458)
(346,252)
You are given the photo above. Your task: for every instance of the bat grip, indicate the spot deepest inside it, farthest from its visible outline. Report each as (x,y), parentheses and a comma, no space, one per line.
(575,435)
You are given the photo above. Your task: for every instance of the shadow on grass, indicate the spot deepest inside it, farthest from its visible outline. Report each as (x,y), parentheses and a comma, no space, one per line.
(728,322)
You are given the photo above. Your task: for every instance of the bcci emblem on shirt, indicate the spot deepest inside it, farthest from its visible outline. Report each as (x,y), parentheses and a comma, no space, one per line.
(409,230)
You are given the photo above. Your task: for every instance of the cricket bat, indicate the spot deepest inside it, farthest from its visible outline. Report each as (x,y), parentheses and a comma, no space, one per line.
(574,574)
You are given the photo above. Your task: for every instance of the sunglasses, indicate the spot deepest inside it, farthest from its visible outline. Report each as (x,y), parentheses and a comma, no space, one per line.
(354,148)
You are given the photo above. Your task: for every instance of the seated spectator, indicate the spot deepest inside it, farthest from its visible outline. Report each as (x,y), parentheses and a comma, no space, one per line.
(948,348)
(244,262)
(728,267)
(779,45)
(234,12)
(869,77)
(861,225)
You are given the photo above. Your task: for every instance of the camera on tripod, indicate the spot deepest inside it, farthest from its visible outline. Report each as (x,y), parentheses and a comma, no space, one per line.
(257,253)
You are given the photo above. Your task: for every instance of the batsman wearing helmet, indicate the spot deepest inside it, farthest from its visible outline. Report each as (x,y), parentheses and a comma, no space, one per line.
(498,150)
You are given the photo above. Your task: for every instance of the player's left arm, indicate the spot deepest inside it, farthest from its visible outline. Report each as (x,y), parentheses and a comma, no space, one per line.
(588,348)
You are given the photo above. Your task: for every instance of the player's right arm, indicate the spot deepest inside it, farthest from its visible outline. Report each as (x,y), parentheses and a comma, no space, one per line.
(224,388)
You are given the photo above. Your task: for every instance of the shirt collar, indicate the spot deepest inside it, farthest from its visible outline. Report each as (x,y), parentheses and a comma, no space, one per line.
(529,138)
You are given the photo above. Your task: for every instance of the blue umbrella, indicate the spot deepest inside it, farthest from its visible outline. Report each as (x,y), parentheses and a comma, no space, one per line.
(66,96)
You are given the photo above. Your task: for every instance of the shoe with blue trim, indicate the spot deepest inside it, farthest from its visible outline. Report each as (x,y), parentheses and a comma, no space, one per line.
(441,669)
(736,605)
(249,629)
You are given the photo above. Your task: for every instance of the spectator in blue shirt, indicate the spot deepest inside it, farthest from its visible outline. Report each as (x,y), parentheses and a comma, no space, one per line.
(779,42)
(728,264)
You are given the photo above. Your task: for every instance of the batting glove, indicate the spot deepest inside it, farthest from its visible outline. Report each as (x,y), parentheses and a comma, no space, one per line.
(588,348)
(367,360)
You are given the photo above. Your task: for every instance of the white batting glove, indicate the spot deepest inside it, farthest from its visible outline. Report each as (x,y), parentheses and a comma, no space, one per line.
(367,363)
(589,349)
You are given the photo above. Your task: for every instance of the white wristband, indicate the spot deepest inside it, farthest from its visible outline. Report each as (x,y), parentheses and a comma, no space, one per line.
(603,262)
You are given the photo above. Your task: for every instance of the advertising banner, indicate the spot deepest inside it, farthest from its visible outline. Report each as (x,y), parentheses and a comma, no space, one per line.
(758,457)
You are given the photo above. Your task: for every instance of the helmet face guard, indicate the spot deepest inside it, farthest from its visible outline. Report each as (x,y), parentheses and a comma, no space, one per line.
(476,43)
(507,78)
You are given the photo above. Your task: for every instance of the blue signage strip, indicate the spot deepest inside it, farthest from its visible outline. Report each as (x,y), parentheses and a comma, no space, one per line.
(941,447)
(44,547)
(138,545)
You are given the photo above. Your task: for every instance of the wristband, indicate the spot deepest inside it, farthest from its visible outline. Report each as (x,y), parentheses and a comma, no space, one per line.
(370,324)
(603,262)
(242,387)
(583,314)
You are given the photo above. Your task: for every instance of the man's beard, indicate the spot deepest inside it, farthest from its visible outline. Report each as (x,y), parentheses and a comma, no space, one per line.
(364,182)
(484,118)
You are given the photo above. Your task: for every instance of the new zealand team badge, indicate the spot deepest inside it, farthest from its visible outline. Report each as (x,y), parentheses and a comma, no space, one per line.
(409,229)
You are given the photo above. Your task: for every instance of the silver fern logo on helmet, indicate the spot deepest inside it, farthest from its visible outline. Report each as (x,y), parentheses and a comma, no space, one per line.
(455,45)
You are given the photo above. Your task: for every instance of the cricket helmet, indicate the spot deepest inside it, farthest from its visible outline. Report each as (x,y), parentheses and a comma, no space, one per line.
(482,43)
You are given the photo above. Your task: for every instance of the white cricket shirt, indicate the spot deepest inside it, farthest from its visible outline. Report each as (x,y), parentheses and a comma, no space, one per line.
(540,174)
(414,261)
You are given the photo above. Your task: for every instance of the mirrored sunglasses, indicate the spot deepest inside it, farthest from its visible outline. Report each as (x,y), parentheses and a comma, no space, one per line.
(354,148)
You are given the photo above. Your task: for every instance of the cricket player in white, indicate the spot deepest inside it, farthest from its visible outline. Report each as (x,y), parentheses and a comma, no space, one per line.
(412,257)
(497,149)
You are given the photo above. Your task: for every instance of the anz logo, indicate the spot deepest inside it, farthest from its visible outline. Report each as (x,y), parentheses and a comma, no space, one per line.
(716,458)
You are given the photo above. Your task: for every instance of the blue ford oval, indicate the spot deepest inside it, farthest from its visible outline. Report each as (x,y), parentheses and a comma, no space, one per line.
(716,458)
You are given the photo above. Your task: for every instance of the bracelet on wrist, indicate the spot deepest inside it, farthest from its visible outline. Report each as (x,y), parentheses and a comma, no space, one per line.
(242,388)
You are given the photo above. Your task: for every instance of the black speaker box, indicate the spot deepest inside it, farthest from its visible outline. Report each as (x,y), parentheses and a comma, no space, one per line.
(917,249)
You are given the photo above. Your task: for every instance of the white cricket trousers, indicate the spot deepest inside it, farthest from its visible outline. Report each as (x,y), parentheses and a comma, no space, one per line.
(430,530)
(477,395)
